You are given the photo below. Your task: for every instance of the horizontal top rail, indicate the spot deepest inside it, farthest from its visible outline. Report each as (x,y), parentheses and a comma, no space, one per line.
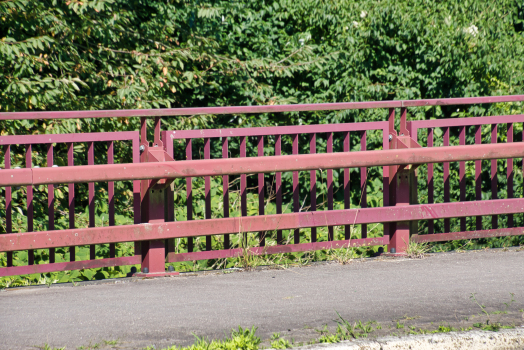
(237,166)
(458,122)
(66,138)
(276,130)
(171,112)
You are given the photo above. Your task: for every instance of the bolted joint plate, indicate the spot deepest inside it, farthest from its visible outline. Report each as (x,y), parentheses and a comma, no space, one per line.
(157,155)
(404,142)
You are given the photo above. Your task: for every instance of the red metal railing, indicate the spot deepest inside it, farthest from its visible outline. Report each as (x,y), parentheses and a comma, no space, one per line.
(155,228)
(261,134)
(461,125)
(50,142)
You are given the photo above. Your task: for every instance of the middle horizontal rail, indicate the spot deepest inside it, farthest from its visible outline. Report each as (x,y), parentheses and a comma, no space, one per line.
(236,166)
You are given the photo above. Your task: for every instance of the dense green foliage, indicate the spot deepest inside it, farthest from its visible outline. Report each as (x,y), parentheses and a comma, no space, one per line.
(128,54)
(113,54)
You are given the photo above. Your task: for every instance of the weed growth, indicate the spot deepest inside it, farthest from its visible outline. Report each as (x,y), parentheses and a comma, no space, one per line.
(489,324)
(280,343)
(47,347)
(241,339)
(417,250)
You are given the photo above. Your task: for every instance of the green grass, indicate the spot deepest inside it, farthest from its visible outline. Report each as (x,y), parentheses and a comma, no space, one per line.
(281,343)
(47,347)
(241,339)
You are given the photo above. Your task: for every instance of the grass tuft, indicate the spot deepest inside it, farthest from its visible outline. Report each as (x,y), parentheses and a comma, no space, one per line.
(417,250)
(241,339)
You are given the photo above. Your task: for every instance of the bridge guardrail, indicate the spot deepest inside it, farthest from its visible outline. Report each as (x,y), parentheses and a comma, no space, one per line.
(155,230)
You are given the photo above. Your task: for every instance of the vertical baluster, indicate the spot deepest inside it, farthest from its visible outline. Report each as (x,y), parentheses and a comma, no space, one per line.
(447,222)
(260,146)
(509,173)
(330,183)
(225,188)
(313,183)
(278,186)
(111,196)
(431,184)
(168,147)
(71,199)
(137,210)
(413,182)
(91,187)
(389,173)
(296,193)
(8,203)
(170,200)
(243,185)
(363,181)
(51,201)
(189,194)
(29,207)
(478,172)
(207,155)
(462,176)
(494,182)
(347,189)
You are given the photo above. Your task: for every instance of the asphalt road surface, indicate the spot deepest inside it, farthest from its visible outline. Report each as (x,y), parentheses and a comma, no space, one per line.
(292,301)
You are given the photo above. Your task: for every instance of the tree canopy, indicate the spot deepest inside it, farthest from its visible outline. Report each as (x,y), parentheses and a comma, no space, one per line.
(116,54)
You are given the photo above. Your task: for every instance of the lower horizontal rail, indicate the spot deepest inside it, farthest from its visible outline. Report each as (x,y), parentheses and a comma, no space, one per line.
(194,228)
(452,236)
(277,249)
(70,265)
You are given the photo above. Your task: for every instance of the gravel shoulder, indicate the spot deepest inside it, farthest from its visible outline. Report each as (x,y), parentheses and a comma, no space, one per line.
(473,340)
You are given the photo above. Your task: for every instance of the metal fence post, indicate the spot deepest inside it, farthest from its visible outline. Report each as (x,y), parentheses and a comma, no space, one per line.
(153,202)
(399,238)
(403,186)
